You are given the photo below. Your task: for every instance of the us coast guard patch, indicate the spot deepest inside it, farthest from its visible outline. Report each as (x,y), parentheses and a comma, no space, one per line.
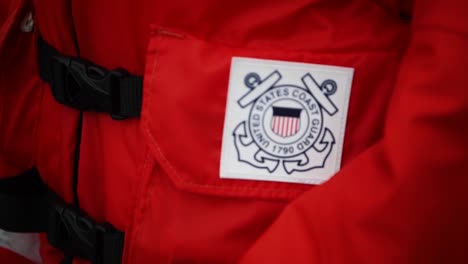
(284,121)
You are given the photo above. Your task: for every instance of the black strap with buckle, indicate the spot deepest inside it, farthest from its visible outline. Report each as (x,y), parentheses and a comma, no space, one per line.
(85,86)
(28,205)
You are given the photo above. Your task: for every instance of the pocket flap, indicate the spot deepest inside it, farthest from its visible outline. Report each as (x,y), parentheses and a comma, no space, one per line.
(184,109)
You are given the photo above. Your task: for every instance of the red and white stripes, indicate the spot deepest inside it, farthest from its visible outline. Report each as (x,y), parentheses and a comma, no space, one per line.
(285,126)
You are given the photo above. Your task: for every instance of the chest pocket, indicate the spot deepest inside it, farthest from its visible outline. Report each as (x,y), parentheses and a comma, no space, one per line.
(185,93)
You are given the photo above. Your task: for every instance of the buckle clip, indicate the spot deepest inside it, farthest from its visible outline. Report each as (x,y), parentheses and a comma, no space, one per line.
(82,85)
(76,234)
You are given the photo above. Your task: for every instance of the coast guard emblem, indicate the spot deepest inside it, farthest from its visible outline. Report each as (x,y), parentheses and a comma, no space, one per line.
(284,121)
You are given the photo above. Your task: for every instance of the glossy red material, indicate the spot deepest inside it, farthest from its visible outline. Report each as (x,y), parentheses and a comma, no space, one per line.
(400,196)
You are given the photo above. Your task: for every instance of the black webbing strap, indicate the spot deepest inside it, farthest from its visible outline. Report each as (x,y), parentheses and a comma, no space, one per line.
(28,205)
(24,205)
(88,87)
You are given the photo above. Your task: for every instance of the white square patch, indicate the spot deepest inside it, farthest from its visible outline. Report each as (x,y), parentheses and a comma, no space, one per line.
(285,121)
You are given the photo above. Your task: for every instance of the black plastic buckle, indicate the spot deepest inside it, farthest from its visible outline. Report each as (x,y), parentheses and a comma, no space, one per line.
(75,234)
(82,85)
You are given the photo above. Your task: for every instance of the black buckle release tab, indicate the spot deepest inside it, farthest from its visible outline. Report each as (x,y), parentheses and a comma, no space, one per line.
(28,205)
(76,234)
(85,86)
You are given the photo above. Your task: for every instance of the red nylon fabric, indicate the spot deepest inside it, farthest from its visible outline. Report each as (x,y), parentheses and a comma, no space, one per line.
(399,197)
(7,256)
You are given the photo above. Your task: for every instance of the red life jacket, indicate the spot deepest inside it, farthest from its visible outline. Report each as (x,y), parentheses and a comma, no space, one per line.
(399,196)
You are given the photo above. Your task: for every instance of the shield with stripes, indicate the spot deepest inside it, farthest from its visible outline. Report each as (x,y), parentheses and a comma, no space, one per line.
(285,121)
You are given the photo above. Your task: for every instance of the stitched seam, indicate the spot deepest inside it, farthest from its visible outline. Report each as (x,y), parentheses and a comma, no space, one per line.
(140,208)
(268,48)
(187,181)
(139,186)
(171,167)
(139,212)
